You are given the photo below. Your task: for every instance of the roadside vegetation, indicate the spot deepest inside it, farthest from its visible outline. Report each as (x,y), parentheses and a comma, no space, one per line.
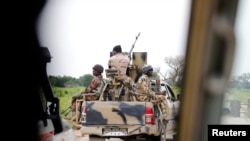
(65,87)
(65,94)
(239,94)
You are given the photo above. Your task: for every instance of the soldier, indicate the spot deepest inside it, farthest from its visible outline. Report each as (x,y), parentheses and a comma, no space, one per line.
(94,86)
(121,62)
(143,85)
(144,91)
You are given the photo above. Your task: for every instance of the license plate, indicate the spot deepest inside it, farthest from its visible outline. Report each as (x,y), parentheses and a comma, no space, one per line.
(115,131)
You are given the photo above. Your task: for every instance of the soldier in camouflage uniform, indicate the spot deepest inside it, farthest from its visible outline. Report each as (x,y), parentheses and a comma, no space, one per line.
(121,62)
(144,91)
(95,84)
(93,87)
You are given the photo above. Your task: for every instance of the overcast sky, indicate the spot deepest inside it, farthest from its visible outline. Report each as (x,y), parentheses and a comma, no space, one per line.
(81,33)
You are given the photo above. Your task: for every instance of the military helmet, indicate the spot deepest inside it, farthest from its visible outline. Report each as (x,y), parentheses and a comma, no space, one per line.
(98,68)
(146,68)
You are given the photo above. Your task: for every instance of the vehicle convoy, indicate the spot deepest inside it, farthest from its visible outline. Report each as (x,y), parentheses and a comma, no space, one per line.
(118,114)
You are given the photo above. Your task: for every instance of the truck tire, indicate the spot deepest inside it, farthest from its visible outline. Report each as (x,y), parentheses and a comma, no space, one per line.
(96,138)
(161,137)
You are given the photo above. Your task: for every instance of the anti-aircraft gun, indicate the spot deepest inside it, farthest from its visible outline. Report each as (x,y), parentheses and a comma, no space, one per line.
(138,60)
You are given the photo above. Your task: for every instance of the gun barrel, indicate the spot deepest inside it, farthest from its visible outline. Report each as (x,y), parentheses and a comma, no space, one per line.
(134,44)
(138,35)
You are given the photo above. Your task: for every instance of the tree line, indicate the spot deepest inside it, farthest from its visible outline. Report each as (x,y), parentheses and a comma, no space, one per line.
(241,81)
(68,81)
(173,76)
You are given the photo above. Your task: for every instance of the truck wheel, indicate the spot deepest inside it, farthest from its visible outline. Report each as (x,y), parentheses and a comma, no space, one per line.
(161,137)
(95,138)
(154,138)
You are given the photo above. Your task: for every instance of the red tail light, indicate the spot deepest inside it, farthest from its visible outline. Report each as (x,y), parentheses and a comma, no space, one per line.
(84,109)
(149,116)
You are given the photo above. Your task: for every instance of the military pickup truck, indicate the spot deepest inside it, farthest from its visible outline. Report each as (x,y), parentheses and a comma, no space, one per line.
(128,120)
(118,114)
(122,119)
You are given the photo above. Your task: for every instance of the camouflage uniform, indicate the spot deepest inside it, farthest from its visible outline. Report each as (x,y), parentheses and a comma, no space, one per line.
(143,86)
(145,93)
(95,85)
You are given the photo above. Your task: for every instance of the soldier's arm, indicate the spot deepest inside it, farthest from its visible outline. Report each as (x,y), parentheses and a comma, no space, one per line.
(93,85)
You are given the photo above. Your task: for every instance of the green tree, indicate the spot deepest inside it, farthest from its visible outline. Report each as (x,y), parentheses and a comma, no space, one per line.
(244,80)
(85,80)
(56,81)
(63,81)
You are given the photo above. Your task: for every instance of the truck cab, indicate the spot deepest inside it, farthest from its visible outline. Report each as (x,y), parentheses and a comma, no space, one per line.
(172,98)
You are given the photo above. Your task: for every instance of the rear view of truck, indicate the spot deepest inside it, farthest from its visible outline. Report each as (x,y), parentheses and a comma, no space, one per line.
(117,113)
(127,120)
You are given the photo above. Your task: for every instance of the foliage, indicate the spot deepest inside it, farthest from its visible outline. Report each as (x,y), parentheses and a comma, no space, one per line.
(239,94)
(86,79)
(65,94)
(236,94)
(63,81)
(175,74)
(176,65)
(68,81)
(176,90)
(155,75)
(241,81)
